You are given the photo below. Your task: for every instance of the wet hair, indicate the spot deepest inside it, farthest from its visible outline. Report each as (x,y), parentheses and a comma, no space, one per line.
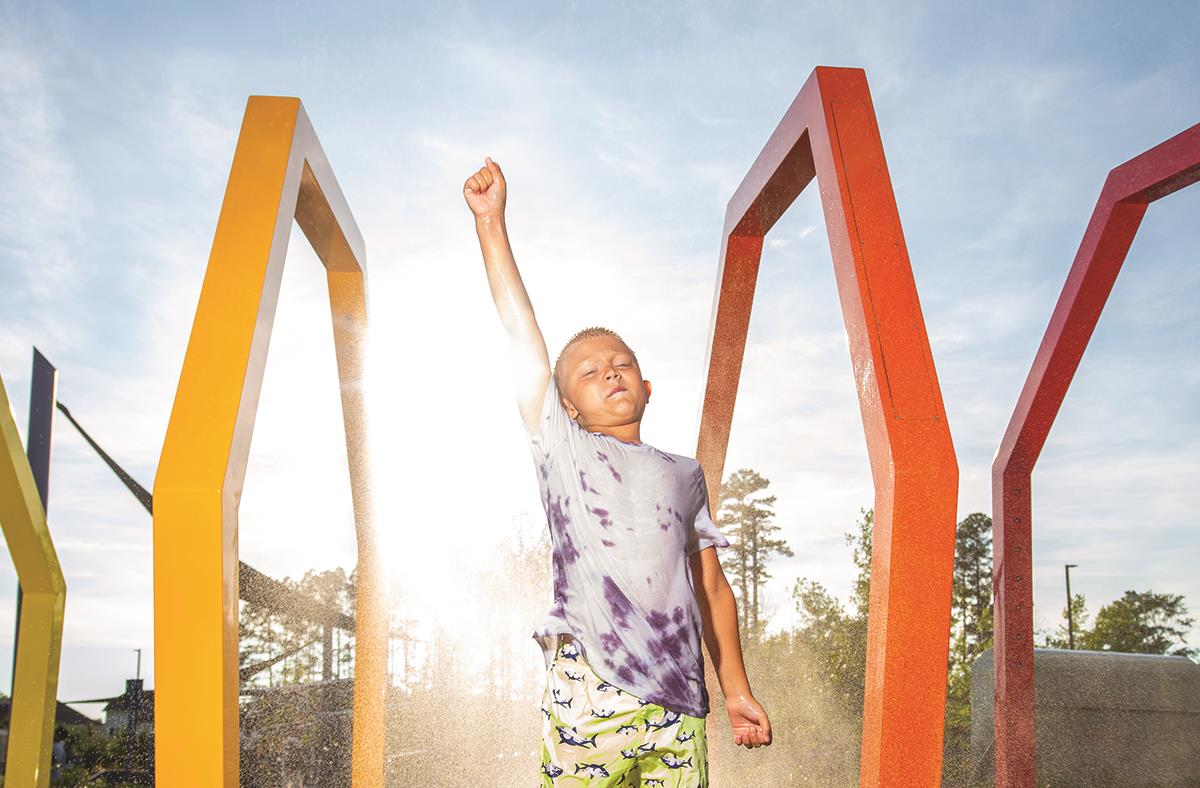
(587,333)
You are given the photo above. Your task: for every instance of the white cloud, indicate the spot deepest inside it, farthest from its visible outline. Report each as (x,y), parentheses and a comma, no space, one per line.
(43,198)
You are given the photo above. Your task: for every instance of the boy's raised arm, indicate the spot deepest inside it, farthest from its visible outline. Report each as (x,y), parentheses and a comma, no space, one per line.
(486,192)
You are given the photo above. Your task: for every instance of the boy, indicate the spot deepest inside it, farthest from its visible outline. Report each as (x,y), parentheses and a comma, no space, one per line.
(634,561)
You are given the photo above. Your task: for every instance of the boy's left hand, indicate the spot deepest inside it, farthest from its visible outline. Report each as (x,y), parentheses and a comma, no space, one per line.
(748,718)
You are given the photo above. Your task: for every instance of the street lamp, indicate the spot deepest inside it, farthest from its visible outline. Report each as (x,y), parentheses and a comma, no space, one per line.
(1070,618)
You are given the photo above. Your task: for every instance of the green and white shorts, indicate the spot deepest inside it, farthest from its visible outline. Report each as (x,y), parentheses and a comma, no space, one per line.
(596,735)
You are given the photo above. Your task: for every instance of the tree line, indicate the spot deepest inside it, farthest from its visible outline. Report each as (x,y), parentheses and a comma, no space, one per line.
(480,677)
(831,636)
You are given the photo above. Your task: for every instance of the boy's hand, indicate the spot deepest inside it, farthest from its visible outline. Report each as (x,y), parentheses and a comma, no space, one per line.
(486,190)
(748,718)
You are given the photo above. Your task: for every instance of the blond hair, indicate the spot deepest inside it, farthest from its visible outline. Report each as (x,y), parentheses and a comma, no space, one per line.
(590,332)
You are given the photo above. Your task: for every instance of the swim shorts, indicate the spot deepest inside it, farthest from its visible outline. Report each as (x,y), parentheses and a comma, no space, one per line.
(597,735)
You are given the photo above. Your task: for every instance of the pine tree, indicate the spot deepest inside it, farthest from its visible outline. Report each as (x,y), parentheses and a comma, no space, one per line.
(972,611)
(746,518)
(970,632)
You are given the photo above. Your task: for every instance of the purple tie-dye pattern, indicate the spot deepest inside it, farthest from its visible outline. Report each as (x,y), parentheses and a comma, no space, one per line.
(560,581)
(647,639)
(634,662)
(674,644)
(603,515)
(604,458)
(674,686)
(610,642)
(620,605)
(564,546)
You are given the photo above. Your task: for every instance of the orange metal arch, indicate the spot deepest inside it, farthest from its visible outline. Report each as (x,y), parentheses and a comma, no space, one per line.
(279,173)
(35,685)
(1127,193)
(830,133)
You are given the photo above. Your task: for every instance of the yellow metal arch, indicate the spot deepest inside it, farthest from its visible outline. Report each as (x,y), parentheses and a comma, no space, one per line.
(279,172)
(35,685)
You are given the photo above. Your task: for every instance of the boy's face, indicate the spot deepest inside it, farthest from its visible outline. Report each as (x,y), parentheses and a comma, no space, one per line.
(602,383)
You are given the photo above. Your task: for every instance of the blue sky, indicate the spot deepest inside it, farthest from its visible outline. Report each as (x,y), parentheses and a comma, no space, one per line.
(623,131)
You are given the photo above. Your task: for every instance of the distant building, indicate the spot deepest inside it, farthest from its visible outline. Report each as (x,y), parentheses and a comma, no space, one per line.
(63,715)
(133,711)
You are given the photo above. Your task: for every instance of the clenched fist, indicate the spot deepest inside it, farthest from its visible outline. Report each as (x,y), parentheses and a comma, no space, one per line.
(485,191)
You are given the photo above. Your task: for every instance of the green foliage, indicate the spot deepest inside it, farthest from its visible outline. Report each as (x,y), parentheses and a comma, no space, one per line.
(811,678)
(297,733)
(746,519)
(970,635)
(972,600)
(836,641)
(90,749)
(264,635)
(92,753)
(817,733)
(1140,622)
(300,729)
(1143,622)
(860,541)
(1061,637)
(837,638)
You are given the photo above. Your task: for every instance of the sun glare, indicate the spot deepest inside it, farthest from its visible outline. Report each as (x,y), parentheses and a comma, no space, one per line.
(448,464)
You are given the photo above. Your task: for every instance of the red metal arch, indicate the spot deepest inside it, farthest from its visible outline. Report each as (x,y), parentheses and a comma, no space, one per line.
(830,133)
(1127,193)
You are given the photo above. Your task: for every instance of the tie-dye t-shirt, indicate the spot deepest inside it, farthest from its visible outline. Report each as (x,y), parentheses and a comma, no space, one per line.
(624,519)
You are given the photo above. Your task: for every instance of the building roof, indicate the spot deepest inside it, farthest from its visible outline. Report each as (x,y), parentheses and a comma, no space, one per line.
(63,715)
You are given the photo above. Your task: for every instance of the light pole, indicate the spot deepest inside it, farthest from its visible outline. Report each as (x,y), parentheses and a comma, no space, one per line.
(1070,618)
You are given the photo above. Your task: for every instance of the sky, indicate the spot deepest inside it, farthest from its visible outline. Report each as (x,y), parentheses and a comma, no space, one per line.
(623,131)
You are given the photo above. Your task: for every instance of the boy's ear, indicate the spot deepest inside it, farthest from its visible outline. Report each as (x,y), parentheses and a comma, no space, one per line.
(646,383)
(571,411)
